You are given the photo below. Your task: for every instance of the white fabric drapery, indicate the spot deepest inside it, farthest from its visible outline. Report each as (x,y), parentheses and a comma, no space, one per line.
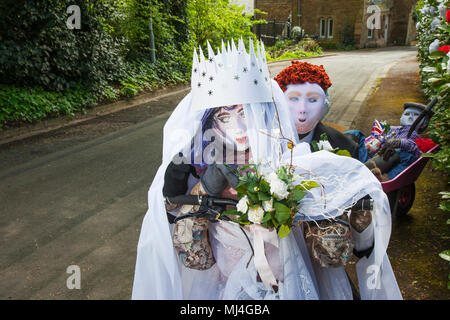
(160,275)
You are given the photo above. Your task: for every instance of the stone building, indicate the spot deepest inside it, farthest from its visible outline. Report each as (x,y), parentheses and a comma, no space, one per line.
(363,23)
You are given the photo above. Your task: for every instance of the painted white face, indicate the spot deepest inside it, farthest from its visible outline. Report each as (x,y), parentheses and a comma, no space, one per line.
(306,103)
(409,116)
(230,127)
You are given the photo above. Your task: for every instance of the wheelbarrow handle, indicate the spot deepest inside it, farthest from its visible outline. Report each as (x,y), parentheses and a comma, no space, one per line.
(424,113)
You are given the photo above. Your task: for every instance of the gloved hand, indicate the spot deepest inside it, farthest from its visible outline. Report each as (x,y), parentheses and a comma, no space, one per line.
(216,178)
(393,143)
(362,229)
(386,152)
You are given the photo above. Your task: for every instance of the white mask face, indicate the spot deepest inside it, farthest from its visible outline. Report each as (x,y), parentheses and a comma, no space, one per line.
(230,127)
(409,116)
(306,103)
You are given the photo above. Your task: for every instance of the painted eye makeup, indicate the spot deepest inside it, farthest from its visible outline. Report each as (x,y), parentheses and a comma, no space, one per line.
(223,117)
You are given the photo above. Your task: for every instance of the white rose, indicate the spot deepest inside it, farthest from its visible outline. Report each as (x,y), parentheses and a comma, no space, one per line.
(256,214)
(279,189)
(242,205)
(434,46)
(271,176)
(268,205)
(418,25)
(325,145)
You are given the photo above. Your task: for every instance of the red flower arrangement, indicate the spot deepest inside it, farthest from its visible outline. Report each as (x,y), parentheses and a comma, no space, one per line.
(447,15)
(424,144)
(445,48)
(301,72)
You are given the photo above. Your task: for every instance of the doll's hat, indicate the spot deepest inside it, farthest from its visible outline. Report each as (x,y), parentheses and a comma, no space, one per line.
(416,105)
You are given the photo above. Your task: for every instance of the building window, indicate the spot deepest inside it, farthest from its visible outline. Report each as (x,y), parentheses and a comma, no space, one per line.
(322,28)
(330,28)
(370,33)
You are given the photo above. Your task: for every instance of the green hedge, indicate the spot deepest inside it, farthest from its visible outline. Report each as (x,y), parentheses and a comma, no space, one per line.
(47,69)
(435,72)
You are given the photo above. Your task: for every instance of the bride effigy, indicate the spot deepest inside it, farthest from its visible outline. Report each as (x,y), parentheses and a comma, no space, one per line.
(234,126)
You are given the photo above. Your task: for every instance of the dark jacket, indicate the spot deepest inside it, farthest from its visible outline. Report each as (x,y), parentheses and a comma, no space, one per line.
(336,139)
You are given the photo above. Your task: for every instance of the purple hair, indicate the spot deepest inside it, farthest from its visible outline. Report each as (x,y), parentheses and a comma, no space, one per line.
(207,123)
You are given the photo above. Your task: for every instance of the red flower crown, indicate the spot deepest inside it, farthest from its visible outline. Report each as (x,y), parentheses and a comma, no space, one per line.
(301,72)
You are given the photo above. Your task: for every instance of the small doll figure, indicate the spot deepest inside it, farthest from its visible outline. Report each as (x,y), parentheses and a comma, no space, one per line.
(398,150)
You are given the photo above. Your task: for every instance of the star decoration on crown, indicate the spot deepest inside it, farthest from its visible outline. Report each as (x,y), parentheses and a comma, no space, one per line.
(233,75)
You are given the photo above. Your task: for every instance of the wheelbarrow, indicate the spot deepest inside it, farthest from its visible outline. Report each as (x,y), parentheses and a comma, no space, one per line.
(401,190)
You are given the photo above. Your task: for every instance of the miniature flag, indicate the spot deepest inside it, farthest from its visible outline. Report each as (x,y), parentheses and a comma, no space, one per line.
(377,129)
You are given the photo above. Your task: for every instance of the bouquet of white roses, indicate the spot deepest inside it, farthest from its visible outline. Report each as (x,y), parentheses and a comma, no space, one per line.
(269,198)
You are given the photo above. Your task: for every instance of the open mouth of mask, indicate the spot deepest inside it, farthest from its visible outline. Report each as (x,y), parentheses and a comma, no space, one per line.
(306,103)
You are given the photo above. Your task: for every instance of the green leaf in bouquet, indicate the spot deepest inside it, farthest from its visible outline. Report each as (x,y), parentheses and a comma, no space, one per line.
(267,217)
(244,219)
(314,145)
(343,153)
(264,186)
(298,194)
(232,211)
(241,188)
(323,137)
(283,175)
(252,196)
(262,196)
(283,231)
(282,212)
(307,185)
(274,223)
(246,166)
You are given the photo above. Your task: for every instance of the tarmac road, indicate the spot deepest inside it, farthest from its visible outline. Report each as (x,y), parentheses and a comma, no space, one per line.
(77,196)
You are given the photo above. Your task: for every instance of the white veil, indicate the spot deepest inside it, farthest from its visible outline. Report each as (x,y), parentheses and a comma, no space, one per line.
(346,180)
(158,272)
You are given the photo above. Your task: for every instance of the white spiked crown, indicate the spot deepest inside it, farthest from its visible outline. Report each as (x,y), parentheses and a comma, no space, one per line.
(231,77)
